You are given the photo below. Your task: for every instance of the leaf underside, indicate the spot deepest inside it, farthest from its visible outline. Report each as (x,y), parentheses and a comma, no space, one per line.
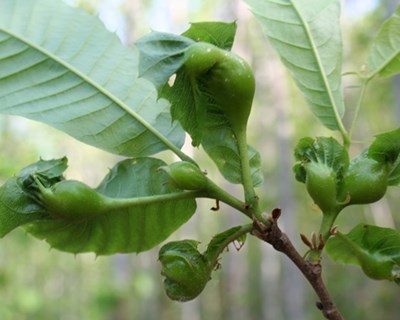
(220,34)
(375,249)
(306,35)
(220,144)
(60,66)
(161,55)
(16,207)
(384,55)
(136,229)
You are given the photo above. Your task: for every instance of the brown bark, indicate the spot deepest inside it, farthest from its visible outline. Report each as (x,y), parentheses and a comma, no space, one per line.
(312,270)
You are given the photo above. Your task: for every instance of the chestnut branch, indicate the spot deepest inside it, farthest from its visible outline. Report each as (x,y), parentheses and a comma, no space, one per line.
(312,270)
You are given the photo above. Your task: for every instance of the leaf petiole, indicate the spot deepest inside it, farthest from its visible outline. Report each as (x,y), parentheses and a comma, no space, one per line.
(363,87)
(250,195)
(212,192)
(219,242)
(124,203)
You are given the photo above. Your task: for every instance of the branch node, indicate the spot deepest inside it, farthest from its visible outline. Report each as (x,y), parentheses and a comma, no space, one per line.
(311,268)
(276,213)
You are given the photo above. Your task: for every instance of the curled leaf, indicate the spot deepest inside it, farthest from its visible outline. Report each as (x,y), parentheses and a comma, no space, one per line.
(221,240)
(374,249)
(185,269)
(132,210)
(320,165)
(386,149)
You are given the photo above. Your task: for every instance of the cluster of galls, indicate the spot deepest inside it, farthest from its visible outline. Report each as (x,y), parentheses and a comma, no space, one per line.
(363,181)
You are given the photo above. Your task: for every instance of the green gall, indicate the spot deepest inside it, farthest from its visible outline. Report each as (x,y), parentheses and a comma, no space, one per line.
(186,175)
(365,181)
(71,200)
(321,185)
(227,78)
(185,269)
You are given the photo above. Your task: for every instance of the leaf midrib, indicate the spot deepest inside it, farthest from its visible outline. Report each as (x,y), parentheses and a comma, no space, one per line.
(396,15)
(320,67)
(384,64)
(98,87)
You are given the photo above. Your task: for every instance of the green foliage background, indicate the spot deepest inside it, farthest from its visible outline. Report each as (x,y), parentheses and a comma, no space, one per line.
(256,283)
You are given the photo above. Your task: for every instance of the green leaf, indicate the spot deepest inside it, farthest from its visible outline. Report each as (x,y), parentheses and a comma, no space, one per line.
(375,249)
(386,149)
(324,150)
(306,35)
(17,202)
(384,55)
(49,171)
(134,229)
(60,66)
(220,144)
(17,207)
(220,241)
(394,175)
(189,103)
(161,55)
(220,34)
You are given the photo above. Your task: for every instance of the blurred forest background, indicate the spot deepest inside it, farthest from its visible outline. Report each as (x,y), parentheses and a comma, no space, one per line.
(254,283)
